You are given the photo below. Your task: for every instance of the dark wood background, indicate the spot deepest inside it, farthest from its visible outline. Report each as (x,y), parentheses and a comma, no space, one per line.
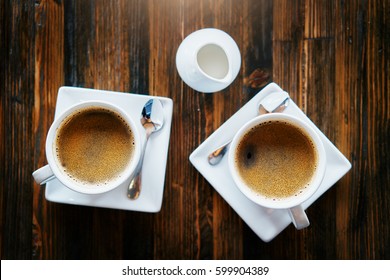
(331,56)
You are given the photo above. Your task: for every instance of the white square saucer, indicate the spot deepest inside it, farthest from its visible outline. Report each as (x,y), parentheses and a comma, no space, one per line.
(266,223)
(150,199)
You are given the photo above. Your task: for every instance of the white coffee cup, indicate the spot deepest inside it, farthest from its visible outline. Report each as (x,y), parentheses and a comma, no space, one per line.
(292,203)
(53,169)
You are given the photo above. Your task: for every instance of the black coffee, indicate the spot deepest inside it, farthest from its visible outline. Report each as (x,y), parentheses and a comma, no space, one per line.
(94,146)
(276,159)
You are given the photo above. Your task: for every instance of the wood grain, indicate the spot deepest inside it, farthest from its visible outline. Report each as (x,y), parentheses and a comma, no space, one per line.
(331,56)
(17,82)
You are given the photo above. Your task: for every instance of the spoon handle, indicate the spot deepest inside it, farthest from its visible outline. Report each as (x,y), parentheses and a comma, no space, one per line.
(134,188)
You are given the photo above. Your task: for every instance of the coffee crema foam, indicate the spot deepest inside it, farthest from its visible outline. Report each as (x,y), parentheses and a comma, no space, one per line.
(94,146)
(276,159)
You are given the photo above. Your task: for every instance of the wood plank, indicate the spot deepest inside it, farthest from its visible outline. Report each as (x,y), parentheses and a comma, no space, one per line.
(3,49)
(288,34)
(48,76)
(360,52)
(17,84)
(378,83)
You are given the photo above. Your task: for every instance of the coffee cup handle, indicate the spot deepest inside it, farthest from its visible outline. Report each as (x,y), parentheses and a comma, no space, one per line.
(43,175)
(298,217)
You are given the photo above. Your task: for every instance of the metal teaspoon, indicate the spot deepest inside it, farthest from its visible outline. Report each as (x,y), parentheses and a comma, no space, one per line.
(152,119)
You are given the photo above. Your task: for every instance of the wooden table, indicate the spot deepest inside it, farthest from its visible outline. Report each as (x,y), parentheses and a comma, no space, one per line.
(331,56)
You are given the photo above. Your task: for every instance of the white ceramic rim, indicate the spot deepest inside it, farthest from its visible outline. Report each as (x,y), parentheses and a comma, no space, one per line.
(291,201)
(65,180)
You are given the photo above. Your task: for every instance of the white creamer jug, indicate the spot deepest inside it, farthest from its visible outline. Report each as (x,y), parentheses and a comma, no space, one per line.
(208,60)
